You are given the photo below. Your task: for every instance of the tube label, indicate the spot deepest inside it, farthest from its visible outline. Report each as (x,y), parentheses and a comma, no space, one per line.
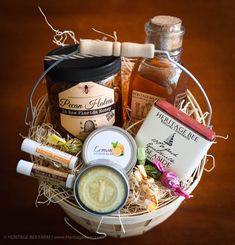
(50,175)
(54,155)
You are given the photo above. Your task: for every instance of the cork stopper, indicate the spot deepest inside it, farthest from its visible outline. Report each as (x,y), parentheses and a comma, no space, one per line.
(166,23)
(166,32)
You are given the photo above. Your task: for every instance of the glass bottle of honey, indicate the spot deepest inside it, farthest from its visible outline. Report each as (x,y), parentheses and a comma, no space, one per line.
(158,77)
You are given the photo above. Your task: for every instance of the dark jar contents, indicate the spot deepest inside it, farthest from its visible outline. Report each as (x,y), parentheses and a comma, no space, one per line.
(83,93)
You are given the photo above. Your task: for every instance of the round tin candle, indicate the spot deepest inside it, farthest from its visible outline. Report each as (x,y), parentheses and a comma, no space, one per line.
(111,143)
(101,189)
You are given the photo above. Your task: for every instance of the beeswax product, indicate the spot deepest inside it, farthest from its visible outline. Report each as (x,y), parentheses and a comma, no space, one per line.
(45,173)
(113,144)
(101,189)
(49,153)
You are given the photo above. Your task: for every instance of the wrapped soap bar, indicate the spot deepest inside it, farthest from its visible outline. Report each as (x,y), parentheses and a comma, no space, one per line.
(178,141)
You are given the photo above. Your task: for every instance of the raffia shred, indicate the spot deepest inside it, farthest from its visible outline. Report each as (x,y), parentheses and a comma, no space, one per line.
(48,193)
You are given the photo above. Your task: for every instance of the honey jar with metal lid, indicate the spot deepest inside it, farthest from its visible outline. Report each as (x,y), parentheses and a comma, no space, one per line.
(84,92)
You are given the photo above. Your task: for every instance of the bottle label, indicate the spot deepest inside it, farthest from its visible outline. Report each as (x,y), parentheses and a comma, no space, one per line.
(141,104)
(50,175)
(86,106)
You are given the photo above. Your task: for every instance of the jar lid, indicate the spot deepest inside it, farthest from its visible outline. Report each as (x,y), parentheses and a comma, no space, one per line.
(111,143)
(81,69)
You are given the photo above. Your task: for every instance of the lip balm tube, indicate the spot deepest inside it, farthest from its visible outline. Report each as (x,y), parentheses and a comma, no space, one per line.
(49,153)
(45,173)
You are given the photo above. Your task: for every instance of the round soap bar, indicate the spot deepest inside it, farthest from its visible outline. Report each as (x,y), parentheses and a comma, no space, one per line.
(101,189)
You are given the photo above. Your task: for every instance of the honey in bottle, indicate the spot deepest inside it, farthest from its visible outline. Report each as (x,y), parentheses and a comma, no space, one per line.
(158,77)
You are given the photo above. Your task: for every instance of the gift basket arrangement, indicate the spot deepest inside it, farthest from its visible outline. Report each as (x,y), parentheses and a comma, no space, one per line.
(118,140)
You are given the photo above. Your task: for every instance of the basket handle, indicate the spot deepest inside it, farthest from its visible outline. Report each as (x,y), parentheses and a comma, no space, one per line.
(194,79)
(77,51)
(64,57)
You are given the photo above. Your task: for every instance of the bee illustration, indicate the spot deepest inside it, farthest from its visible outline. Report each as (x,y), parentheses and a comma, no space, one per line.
(86,88)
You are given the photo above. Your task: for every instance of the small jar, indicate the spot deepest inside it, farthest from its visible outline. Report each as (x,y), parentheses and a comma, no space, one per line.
(119,147)
(83,93)
(101,188)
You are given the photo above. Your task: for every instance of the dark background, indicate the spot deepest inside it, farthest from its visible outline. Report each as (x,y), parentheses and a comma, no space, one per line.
(209,52)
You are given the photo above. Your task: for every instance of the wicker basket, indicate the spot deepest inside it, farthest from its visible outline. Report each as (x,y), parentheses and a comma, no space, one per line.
(134,224)
(137,223)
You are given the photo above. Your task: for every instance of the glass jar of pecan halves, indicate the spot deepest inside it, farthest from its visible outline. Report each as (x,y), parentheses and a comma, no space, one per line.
(84,93)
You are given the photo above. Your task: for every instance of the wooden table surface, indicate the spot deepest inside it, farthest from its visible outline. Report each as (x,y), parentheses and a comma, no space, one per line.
(209,52)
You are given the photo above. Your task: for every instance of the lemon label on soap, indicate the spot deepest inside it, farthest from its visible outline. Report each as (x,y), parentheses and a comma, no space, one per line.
(115,148)
(113,144)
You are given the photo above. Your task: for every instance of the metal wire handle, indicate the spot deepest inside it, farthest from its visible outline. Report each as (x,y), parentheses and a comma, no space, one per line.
(64,57)
(68,56)
(194,79)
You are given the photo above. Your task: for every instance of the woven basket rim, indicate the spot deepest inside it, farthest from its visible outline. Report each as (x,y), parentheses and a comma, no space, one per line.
(144,215)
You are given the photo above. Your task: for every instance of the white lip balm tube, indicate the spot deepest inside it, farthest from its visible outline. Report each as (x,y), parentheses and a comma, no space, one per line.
(45,173)
(49,153)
